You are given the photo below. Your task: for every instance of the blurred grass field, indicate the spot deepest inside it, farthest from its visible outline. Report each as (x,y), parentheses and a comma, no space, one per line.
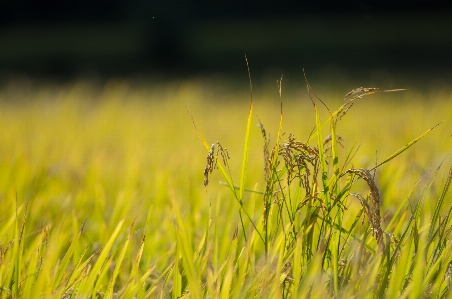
(86,155)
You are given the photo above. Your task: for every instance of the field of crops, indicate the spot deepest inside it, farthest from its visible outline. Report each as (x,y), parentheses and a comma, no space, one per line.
(102,191)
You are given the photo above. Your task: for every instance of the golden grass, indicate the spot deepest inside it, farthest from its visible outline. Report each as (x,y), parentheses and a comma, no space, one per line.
(128,152)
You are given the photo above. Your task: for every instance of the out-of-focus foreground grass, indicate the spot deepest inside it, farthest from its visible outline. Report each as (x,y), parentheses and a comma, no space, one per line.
(123,161)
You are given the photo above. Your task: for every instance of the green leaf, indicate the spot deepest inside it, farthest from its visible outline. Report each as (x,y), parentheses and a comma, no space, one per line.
(67,257)
(245,153)
(407,146)
(91,281)
(324,168)
(118,261)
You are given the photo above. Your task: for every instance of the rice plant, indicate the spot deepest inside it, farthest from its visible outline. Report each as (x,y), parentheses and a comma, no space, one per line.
(98,201)
(314,243)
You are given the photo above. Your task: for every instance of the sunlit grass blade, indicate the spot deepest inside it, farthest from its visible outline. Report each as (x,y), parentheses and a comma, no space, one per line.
(413,226)
(62,267)
(335,261)
(162,280)
(417,271)
(432,272)
(334,152)
(274,177)
(136,264)
(247,139)
(118,263)
(245,189)
(135,284)
(439,204)
(201,254)
(311,277)
(245,153)
(176,291)
(7,224)
(12,274)
(14,277)
(395,217)
(91,280)
(34,267)
(401,150)
(78,269)
(297,266)
(398,275)
(138,286)
(189,266)
(186,252)
(229,269)
(324,174)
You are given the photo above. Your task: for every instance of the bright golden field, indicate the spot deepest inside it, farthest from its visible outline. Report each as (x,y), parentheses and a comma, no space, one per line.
(102,195)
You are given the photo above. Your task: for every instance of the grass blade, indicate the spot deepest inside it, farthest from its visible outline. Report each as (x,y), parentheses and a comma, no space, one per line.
(96,272)
(245,154)
(439,203)
(111,284)
(186,251)
(324,168)
(401,150)
(67,257)
(247,139)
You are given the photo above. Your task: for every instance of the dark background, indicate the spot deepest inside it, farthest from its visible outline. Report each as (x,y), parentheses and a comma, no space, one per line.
(173,38)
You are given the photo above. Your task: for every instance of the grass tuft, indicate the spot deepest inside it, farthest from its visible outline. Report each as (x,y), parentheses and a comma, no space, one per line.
(306,228)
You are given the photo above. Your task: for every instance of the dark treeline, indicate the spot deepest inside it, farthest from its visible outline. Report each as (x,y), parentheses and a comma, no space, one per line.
(190,37)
